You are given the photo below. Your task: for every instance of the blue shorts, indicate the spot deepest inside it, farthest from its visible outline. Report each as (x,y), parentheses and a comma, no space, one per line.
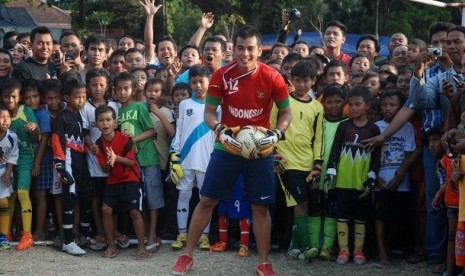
(153,187)
(237,207)
(44,180)
(224,169)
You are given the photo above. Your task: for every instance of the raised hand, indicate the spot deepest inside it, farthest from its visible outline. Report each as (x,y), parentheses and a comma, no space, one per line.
(150,7)
(208,19)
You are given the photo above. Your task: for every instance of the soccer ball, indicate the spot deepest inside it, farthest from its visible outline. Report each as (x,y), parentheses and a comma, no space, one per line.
(249,136)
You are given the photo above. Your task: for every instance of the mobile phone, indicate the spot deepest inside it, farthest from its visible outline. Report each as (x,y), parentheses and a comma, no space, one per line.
(69,56)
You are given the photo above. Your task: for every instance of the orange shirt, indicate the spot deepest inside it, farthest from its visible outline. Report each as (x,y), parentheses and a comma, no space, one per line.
(451,197)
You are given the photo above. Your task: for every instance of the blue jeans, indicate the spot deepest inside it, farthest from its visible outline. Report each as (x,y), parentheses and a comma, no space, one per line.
(436,221)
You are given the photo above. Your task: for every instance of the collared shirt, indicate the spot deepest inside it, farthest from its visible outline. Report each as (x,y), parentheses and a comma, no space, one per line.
(427,95)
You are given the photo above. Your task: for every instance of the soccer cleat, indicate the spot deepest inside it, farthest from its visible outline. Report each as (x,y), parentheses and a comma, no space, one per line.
(220,246)
(26,241)
(180,241)
(343,257)
(243,251)
(311,253)
(73,249)
(204,243)
(265,269)
(359,258)
(182,265)
(325,254)
(4,243)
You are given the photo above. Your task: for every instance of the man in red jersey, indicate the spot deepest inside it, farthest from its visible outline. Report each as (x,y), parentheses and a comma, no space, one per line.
(248,89)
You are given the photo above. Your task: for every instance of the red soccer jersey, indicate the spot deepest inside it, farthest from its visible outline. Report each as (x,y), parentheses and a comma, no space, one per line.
(119,173)
(247,98)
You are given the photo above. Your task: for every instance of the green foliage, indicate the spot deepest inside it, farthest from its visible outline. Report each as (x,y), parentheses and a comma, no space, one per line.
(183,19)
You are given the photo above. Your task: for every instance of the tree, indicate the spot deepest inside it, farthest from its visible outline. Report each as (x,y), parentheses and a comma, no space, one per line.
(103,18)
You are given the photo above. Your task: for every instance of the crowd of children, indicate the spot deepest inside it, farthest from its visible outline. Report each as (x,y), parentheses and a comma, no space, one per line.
(107,135)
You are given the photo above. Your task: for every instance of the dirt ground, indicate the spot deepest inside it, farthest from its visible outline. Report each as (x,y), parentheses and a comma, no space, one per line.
(42,260)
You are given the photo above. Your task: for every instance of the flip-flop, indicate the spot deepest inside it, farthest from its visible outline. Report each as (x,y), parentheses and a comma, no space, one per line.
(142,255)
(110,254)
(153,248)
(123,241)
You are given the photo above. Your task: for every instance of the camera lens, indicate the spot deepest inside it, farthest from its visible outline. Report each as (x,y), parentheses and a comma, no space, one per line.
(436,52)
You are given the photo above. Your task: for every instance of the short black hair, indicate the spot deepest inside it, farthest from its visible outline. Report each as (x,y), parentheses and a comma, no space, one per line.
(457,29)
(188,47)
(166,38)
(40,30)
(305,69)
(336,63)
(127,36)
(358,56)
(97,39)
(436,130)
(51,85)
(335,90)
(104,109)
(200,71)
(9,85)
(440,27)
(66,76)
(69,33)
(98,72)
(23,35)
(72,85)
(246,32)
(118,52)
(29,85)
(133,50)
(216,40)
(153,81)
(279,45)
(291,58)
(337,23)
(181,86)
(360,91)
(372,38)
(8,35)
(124,76)
(394,93)
(369,75)
(3,107)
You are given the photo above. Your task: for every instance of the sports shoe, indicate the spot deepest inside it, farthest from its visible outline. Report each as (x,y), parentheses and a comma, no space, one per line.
(204,243)
(325,254)
(182,265)
(219,246)
(311,253)
(343,257)
(73,249)
(26,241)
(265,269)
(296,253)
(4,243)
(359,258)
(180,241)
(243,251)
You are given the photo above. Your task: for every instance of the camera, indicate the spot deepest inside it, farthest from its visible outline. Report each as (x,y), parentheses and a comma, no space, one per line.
(435,51)
(293,14)
(56,56)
